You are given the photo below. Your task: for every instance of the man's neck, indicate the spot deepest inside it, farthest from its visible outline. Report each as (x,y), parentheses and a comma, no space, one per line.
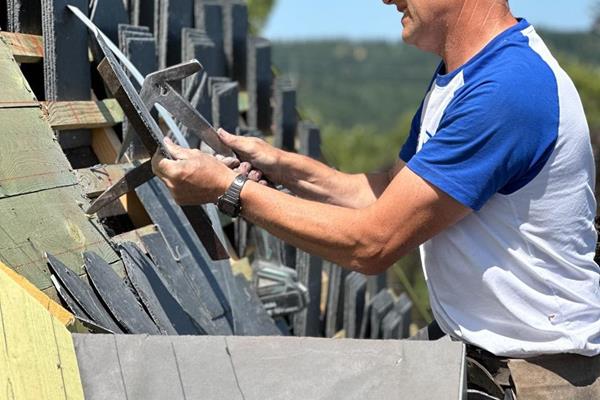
(474,28)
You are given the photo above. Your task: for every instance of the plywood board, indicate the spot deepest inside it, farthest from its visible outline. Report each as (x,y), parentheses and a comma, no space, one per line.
(55,309)
(37,357)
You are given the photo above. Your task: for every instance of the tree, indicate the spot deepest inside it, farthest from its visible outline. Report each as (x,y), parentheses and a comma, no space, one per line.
(259,11)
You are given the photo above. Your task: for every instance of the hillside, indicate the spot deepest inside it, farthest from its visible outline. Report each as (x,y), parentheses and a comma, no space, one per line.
(363,94)
(348,83)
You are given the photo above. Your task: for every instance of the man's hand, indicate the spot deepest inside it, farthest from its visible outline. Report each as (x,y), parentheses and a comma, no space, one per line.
(257,156)
(193,177)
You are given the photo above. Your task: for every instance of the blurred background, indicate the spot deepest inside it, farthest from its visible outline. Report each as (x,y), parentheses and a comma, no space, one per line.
(362,85)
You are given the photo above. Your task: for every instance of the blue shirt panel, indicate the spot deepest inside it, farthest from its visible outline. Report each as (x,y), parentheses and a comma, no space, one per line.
(500,128)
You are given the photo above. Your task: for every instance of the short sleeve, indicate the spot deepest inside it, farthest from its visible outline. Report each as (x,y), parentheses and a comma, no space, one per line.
(494,138)
(409,148)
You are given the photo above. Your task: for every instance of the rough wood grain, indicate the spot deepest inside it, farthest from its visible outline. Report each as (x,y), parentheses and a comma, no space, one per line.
(14,87)
(96,180)
(55,309)
(37,357)
(24,47)
(47,221)
(68,115)
(30,158)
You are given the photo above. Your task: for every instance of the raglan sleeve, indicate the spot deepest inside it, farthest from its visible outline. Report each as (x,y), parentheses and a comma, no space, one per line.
(409,148)
(494,138)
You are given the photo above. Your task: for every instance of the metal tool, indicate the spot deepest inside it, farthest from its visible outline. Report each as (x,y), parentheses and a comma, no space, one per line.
(152,139)
(157,90)
(279,290)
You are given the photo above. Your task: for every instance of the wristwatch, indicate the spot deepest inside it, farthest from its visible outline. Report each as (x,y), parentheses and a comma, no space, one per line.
(230,203)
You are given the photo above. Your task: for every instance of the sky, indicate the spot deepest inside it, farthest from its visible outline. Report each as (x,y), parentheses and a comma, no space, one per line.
(371,19)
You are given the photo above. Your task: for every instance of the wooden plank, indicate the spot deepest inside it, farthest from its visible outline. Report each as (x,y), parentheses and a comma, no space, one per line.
(69,115)
(48,221)
(14,87)
(136,236)
(37,359)
(24,47)
(106,145)
(55,309)
(96,180)
(30,158)
(119,299)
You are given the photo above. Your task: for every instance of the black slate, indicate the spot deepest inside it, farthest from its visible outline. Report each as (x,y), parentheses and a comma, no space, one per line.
(174,16)
(354,303)
(23,16)
(209,18)
(167,313)
(381,304)
(141,12)
(285,117)
(83,294)
(67,75)
(186,248)
(225,109)
(70,302)
(107,15)
(117,296)
(309,138)
(235,35)
(259,84)
(335,300)
(180,286)
(309,267)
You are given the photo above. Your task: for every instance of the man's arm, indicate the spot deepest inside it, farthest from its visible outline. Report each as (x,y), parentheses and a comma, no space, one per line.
(309,178)
(409,212)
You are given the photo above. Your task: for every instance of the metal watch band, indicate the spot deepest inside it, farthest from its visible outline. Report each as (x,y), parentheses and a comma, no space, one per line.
(229,203)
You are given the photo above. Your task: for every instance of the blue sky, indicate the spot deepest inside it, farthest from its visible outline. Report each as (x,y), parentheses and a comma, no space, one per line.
(371,19)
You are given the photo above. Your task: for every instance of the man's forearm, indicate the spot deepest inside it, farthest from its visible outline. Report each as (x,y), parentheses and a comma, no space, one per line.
(313,180)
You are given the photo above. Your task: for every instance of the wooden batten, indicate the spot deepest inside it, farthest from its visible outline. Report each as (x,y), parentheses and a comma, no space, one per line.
(25,48)
(71,115)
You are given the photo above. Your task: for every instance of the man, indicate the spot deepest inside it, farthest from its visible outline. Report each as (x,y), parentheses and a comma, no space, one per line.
(495,184)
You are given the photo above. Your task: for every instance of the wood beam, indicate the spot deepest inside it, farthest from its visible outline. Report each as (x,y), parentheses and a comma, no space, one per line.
(72,115)
(24,47)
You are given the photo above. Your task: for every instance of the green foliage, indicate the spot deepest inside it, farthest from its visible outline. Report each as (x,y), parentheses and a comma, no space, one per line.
(587,80)
(362,148)
(258,13)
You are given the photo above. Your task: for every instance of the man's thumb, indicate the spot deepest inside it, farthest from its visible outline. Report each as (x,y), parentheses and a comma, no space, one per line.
(227,138)
(177,152)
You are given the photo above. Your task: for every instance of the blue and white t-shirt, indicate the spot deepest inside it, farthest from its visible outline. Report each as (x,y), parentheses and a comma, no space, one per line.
(506,135)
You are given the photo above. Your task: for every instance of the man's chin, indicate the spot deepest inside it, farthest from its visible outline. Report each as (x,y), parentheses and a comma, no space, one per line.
(407,37)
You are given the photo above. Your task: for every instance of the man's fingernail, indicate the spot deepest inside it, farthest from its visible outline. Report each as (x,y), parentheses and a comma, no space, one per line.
(168,140)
